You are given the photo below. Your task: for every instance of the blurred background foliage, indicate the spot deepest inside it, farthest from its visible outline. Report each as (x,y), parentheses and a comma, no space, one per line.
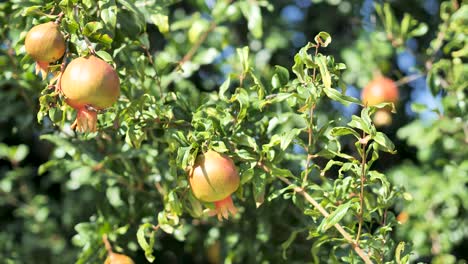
(59,190)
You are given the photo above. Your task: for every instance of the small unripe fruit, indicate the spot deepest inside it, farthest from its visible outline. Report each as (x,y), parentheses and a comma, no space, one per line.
(115,258)
(382,117)
(45,43)
(213,178)
(89,83)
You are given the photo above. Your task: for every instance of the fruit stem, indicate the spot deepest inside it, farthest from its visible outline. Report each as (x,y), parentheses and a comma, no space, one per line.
(59,18)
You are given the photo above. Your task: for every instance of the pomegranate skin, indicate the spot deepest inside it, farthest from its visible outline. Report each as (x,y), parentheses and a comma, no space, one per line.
(380,90)
(214,177)
(90,81)
(45,42)
(115,258)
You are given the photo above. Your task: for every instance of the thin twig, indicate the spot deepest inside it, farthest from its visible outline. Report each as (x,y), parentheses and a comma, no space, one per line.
(324,212)
(59,18)
(156,76)
(310,128)
(363,142)
(197,45)
(408,79)
(107,244)
(309,144)
(88,43)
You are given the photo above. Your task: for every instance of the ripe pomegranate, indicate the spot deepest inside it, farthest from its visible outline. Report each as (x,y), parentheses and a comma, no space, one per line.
(115,258)
(213,178)
(89,85)
(378,91)
(403,217)
(45,43)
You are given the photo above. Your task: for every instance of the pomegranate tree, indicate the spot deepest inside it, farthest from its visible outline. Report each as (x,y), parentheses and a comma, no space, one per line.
(45,43)
(213,178)
(89,85)
(381,90)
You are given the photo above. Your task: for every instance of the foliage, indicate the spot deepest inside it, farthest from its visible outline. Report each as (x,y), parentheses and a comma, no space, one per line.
(200,75)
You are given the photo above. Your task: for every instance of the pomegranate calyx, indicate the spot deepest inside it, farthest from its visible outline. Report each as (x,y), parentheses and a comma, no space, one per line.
(225,207)
(43,68)
(86,120)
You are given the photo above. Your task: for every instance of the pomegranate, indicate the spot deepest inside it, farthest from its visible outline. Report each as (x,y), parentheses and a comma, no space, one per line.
(89,85)
(45,43)
(115,258)
(403,217)
(213,178)
(378,91)
(382,117)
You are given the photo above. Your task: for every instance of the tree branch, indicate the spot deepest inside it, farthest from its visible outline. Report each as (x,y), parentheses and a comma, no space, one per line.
(196,46)
(324,212)
(363,141)
(310,128)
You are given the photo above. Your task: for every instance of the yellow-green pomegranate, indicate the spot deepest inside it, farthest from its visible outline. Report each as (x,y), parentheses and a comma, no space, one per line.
(213,178)
(45,43)
(89,84)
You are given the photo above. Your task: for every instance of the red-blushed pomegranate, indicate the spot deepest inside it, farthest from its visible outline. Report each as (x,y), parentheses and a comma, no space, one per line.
(213,178)
(89,84)
(45,43)
(403,217)
(115,258)
(381,90)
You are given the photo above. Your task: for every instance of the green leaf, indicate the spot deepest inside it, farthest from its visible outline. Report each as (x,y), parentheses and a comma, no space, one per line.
(224,87)
(337,96)
(105,56)
(322,63)
(113,195)
(420,30)
(383,141)
(281,172)
(286,244)
(280,78)
(92,27)
(405,24)
(17,153)
(147,247)
(334,217)
(342,131)
(161,21)
(400,248)
(288,136)
(258,185)
(359,123)
(323,39)
(251,11)
(108,13)
(243,54)
(300,59)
